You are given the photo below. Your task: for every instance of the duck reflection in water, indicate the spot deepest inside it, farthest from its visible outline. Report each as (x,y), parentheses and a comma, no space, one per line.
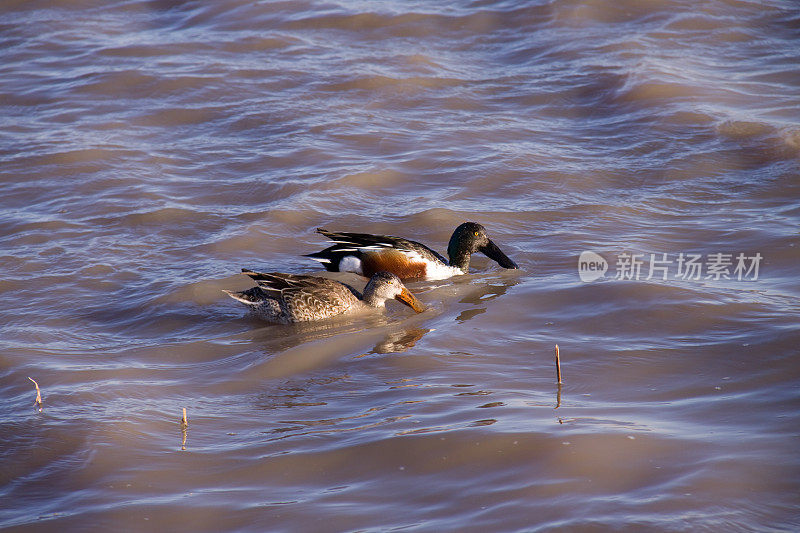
(400,341)
(479,297)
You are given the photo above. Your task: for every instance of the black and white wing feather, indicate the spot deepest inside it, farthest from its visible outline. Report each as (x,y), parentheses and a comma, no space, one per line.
(346,242)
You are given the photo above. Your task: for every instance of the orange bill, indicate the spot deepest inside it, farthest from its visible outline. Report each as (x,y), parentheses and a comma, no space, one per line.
(410,300)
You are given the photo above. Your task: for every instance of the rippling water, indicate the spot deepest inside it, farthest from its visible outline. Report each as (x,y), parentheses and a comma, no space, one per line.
(150,149)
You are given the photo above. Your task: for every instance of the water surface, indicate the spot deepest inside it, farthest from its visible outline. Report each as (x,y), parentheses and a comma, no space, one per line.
(151,149)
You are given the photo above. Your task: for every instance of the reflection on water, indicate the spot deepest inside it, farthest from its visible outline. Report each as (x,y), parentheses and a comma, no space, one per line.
(470,313)
(485,422)
(475,290)
(400,341)
(486,293)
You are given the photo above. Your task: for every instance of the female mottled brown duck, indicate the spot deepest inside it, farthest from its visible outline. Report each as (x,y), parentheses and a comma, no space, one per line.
(292,298)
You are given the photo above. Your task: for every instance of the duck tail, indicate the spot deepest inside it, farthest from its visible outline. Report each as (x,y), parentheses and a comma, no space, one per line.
(328,258)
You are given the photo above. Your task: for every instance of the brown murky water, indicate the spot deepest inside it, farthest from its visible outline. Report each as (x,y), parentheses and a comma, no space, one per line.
(150,149)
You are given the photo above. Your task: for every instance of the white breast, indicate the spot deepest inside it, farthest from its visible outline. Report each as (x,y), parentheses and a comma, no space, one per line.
(433,269)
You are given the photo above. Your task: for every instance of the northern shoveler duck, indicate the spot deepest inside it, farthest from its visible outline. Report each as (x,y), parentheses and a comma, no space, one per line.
(366,254)
(290,298)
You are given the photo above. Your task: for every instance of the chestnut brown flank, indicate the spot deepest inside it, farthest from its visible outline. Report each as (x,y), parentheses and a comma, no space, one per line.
(391,261)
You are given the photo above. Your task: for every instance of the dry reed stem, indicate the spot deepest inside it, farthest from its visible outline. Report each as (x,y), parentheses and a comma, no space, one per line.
(184,425)
(558,365)
(38,401)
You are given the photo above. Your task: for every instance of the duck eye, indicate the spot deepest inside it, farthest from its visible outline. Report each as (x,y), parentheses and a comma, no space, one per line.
(476,233)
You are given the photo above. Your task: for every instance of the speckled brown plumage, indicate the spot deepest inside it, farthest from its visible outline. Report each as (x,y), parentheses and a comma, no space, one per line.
(291,298)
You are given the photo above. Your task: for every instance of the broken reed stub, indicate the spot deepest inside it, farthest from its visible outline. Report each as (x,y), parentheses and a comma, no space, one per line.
(38,401)
(558,365)
(184,425)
